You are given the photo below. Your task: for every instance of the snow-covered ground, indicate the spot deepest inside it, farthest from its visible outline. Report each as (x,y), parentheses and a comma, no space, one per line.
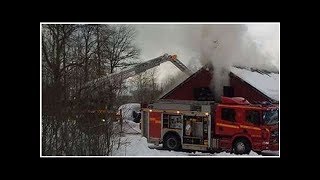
(135,145)
(130,127)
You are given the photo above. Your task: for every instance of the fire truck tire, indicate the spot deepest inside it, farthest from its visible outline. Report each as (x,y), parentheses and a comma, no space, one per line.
(172,142)
(241,146)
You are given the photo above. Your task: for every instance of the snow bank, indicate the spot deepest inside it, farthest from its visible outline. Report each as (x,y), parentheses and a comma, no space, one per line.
(127,110)
(268,84)
(130,127)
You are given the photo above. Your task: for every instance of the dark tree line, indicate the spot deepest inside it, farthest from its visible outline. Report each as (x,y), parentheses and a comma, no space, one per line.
(73,55)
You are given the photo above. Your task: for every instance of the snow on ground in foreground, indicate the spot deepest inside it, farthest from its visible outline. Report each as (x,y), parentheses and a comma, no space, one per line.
(130,127)
(228,154)
(135,145)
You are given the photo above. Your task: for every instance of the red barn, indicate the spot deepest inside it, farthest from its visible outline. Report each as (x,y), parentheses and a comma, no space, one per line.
(253,84)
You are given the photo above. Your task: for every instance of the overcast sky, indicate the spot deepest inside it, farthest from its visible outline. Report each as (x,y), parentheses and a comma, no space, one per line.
(156,39)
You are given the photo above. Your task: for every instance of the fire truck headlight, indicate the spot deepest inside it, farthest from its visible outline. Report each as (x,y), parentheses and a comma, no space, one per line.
(178,112)
(150,110)
(207,114)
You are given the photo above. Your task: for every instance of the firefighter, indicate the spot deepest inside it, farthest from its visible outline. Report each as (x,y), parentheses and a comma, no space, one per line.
(188,128)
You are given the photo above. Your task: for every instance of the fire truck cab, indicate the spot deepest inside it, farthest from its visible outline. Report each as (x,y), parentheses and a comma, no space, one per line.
(234,125)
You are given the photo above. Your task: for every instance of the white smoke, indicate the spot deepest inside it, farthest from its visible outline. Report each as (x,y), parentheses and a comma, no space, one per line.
(226,45)
(222,45)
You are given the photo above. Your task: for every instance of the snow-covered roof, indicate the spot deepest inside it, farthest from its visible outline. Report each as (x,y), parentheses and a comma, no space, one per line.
(264,81)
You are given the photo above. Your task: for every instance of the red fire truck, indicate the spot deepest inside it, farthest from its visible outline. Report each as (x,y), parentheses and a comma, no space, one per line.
(234,125)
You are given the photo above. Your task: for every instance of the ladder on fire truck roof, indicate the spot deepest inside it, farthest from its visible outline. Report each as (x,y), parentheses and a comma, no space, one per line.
(181,66)
(139,68)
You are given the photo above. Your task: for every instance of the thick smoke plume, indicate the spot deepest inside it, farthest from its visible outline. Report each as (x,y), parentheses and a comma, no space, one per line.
(222,45)
(225,46)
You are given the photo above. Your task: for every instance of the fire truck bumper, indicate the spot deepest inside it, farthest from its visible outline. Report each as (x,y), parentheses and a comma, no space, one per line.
(264,146)
(267,146)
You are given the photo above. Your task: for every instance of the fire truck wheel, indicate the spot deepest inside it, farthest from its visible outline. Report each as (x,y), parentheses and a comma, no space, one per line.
(241,146)
(172,142)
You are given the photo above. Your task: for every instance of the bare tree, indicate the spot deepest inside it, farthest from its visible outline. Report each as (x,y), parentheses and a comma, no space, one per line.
(71,56)
(54,39)
(144,87)
(120,51)
(87,32)
(119,47)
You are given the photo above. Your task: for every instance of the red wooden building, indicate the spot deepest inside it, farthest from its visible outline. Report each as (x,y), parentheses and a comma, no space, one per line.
(253,84)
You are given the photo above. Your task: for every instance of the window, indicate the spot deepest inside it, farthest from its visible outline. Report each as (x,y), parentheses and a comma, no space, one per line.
(228,91)
(228,114)
(172,121)
(253,116)
(203,94)
(175,122)
(193,126)
(271,117)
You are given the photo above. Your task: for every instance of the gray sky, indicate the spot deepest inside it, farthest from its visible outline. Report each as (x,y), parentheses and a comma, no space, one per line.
(156,39)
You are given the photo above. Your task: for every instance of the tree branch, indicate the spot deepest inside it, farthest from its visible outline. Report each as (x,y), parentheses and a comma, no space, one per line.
(46,57)
(71,64)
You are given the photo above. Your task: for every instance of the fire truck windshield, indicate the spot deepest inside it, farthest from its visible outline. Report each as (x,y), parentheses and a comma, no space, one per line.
(271,117)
